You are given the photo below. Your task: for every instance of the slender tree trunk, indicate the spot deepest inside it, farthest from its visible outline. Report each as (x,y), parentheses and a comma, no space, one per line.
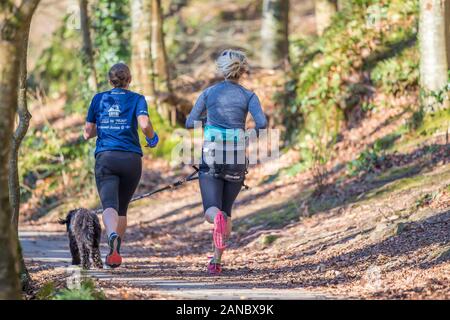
(141,55)
(447,31)
(19,134)
(274,34)
(13,21)
(88,53)
(159,49)
(433,55)
(325,10)
(161,68)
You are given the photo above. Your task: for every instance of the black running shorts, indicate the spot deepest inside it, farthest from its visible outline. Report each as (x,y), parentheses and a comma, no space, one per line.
(217,192)
(117,174)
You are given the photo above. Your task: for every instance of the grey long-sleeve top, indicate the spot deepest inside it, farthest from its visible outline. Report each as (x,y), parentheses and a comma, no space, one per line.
(227,104)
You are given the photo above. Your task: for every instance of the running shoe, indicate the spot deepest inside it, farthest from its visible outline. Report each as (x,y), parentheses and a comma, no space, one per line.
(220,231)
(214,268)
(113,259)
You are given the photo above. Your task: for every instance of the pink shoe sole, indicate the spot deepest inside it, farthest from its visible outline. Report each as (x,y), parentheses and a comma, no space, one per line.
(219,232)
(214,268)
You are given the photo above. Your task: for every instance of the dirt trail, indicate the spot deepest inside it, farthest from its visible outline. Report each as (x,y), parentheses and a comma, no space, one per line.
(50,251)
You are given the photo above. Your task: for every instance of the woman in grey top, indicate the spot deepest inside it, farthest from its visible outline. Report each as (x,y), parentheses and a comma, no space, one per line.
(226,104)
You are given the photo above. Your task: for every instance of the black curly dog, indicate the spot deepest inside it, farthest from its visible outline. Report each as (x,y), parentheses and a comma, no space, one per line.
(84,232)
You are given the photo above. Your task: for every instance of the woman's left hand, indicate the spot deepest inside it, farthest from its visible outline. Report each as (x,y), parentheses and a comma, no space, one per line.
(151,143)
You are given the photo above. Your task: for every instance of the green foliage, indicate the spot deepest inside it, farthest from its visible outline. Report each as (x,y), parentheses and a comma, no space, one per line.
(59,69)
(425,199)
(167,141)
(434,100)
(47,291)
(335,75)
(367,161)
(386,142)
(112,27)
(416,120)
(86,291)
(269,239)
(425,124)
(276,217)
(398,74)
(44,154)
(370,159)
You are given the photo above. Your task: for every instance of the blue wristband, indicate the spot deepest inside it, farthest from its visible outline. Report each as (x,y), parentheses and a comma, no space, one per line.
(153,141)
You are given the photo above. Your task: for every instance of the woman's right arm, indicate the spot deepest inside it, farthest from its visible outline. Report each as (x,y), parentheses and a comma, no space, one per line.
(197,111)
(90,128)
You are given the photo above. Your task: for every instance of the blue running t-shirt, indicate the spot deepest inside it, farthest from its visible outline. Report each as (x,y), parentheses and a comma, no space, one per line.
(115,113)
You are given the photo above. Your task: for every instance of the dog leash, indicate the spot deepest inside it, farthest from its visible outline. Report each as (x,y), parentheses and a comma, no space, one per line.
(174,185)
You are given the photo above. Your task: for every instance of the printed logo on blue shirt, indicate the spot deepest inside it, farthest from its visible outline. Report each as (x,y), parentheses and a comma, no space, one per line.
(114,111)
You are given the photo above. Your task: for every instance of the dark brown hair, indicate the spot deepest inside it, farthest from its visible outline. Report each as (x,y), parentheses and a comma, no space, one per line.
(119,75)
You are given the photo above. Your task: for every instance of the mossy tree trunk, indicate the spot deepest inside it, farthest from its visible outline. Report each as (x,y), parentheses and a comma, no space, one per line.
(141,55)
(161,68)
(433,55)
(88,53)
(324,11)
(274,34)
(14,24)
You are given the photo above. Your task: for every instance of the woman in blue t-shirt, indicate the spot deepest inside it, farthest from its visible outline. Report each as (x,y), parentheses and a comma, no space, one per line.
(114,117)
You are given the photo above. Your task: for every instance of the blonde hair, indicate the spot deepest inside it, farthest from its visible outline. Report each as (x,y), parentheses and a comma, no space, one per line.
(232,64)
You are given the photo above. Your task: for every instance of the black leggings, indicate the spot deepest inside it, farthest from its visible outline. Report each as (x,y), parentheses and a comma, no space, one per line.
(117,174)
(217,192)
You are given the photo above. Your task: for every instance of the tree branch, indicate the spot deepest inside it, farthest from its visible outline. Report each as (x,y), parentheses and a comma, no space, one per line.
(27,8)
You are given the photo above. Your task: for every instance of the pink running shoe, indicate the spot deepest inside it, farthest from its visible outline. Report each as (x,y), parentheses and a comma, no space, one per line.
(214,268)
(219,231)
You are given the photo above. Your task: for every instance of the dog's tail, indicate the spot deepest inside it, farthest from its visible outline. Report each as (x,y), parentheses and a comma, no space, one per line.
(66,221)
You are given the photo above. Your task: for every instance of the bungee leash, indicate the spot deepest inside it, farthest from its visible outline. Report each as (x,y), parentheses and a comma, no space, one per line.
(174,185)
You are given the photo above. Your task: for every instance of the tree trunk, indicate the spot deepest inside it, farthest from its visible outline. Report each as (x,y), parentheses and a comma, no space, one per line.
(324,10)
(161,68)
(13,22)
(433,55)
(19,134)
(88,53)
(141,55)
(274,34)
(447,31)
